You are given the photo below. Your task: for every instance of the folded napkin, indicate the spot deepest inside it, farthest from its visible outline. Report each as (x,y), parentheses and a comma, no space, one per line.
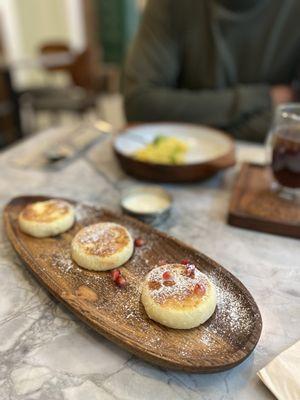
(282,375)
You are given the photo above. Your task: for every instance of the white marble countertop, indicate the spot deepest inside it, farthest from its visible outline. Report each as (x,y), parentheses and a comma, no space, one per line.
(47,353)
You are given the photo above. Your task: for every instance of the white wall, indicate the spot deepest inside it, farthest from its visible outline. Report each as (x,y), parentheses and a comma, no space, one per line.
(28,23)
(76,24)
(10,31)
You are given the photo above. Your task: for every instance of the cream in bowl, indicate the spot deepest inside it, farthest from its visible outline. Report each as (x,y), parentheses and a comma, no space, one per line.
(150,204)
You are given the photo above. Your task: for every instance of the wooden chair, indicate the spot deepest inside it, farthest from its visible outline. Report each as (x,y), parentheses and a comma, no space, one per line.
(10,124)
(77,98)
(56,50)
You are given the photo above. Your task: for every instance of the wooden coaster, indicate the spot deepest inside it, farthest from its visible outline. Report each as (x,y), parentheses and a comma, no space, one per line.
(255,206)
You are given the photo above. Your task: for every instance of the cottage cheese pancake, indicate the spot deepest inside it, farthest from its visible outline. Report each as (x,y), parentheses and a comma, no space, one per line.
(102,246)
(46,218)
(178,296)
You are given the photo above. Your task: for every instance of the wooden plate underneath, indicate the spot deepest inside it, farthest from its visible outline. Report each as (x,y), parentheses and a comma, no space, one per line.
(255,206)
(225,340)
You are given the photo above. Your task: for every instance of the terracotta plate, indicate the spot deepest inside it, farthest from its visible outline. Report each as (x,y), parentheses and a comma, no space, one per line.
(225,340)
(209,151)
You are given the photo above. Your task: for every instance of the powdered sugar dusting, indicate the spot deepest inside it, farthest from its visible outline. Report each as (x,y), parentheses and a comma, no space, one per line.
(82,212)
(233,318)
(64,262)
(234,312)
(103,238)
(181,286)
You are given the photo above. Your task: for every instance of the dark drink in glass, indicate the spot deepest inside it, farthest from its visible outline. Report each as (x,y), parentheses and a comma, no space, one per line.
(283,151)
(286,156)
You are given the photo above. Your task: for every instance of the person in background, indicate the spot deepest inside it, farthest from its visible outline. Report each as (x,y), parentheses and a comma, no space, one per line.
(224,63)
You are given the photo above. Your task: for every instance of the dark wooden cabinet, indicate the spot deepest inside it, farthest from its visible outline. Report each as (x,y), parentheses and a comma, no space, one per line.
(10,126)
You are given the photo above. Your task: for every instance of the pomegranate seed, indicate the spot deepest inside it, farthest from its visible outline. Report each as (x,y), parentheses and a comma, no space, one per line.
(118,278)
(166,275)
(185,261)
(190,270)
(139,242)
(115,273)
(199,289)
(121,282)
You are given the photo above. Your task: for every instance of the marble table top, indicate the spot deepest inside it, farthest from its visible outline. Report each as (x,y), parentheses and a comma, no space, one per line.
(47,353)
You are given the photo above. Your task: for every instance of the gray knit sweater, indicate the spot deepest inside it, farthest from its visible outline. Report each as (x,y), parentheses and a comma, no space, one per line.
(199,61)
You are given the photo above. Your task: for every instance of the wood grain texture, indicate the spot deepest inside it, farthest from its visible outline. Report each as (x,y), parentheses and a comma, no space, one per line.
(255,206)
(224,341)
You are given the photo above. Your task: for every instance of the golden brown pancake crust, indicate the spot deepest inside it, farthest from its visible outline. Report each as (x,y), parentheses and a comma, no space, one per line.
(51,210)
(104,239)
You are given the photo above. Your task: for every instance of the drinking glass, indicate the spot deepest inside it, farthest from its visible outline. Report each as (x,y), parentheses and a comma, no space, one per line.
(283,149)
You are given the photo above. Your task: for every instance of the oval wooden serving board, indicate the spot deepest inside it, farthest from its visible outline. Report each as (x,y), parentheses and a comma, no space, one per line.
(224,341)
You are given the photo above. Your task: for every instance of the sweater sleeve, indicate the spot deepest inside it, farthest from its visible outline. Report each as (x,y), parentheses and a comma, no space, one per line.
(254,128)
(151,75)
